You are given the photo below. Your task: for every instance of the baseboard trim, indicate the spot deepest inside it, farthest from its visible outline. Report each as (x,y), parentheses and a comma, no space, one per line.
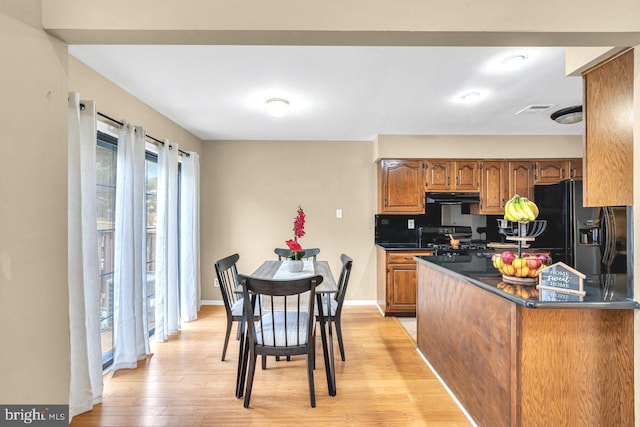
(453,396)
(212,302)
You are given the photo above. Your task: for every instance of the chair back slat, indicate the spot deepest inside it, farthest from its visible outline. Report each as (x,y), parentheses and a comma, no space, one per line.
(284,253)
(343,281)
(227,274)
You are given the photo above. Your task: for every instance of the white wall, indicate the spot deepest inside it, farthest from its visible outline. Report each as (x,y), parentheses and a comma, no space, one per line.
(119,104)
(477,146)
(250,193)
(34,321)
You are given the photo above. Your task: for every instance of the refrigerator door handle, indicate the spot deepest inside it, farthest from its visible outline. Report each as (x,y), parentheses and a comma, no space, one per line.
(604,235)
(610,240)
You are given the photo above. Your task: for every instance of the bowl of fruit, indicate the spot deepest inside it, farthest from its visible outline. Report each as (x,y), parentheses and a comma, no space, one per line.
(522,290)
(520,269)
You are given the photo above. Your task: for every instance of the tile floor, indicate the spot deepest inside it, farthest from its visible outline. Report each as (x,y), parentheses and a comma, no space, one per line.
(409,323)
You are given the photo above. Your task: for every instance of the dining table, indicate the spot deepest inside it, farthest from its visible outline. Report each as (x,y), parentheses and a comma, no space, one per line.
(279,270)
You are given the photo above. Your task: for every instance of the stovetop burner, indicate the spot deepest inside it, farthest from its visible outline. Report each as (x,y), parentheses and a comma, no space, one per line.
(463,249)
(463,246)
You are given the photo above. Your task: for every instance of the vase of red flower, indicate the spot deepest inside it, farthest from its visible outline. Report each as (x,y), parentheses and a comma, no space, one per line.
(296,252)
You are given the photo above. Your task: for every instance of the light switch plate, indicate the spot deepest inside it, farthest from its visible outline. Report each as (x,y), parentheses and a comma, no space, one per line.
(411,224)
(338,213)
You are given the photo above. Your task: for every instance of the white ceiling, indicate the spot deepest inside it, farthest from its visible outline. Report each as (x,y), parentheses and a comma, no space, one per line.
(341,92)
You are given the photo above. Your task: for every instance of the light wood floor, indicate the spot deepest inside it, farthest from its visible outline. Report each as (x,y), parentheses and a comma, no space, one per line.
(384,382)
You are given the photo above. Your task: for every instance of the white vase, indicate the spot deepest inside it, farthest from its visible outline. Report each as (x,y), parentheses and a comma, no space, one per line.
(296,266)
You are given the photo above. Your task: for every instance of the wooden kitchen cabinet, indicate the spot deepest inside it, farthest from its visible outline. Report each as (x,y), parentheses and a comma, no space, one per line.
(451,175)
(521,179)
(549,171)
(438,175)
(575,168)
(397,281)
(494,187)
(467,175)
(402,183)
(401,188)
(608,117)
(553,171)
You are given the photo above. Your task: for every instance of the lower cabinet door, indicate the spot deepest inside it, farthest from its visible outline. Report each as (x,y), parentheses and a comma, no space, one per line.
(402,288)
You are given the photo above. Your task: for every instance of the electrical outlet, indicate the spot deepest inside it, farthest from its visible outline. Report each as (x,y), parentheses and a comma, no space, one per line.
(216,283)
(411,224)
(338,213)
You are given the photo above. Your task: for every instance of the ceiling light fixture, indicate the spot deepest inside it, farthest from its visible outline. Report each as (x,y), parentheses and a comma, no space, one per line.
(514,60)
(277,107)
(569,115)
(470,96)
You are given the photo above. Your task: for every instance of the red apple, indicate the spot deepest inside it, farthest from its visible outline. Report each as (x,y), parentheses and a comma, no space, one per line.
(508,257)
(544,258)
(533,262)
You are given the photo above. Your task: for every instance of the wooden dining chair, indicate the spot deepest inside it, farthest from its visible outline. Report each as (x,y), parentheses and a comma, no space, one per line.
(227,274)
(284,253)
(280,322)
(338,301)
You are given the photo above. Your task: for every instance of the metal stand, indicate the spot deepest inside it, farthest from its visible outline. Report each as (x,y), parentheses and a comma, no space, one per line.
(521,232)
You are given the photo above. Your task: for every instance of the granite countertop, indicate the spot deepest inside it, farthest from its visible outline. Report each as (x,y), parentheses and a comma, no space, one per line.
(605,291)
(402,247)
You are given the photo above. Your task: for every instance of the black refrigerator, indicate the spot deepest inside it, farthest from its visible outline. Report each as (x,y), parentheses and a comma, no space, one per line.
(591,240)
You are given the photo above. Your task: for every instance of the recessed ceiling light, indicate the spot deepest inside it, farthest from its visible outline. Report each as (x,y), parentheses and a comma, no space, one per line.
(277,107)
(470,96)
(514,60)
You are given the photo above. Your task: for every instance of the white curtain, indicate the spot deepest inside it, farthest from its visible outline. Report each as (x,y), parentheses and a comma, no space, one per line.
(190,300)
(84,285)
(167,298)
(129,311)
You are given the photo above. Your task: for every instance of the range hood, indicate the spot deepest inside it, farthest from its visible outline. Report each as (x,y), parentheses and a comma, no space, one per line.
(452,198)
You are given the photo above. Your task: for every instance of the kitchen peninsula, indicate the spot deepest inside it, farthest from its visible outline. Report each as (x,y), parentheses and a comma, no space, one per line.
(514,361)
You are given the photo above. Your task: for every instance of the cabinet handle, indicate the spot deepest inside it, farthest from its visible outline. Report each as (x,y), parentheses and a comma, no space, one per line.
(448,180)
(562,173)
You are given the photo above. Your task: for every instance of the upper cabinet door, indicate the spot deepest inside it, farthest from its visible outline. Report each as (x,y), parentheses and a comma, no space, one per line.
(608,119)
(493,187)
(575,168)
(438,175)
(549,171)
(401,187)
(521,179)
(451,175)
(467,177)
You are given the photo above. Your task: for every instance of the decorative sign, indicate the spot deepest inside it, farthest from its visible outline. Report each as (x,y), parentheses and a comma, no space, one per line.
(549,295)
(559,277)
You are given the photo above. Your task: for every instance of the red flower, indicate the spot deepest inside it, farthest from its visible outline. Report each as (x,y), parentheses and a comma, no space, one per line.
(294,246)
(298,231)
(298,223)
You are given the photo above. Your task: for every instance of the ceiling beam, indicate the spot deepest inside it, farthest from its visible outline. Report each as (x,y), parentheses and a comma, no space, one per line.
(336,22)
